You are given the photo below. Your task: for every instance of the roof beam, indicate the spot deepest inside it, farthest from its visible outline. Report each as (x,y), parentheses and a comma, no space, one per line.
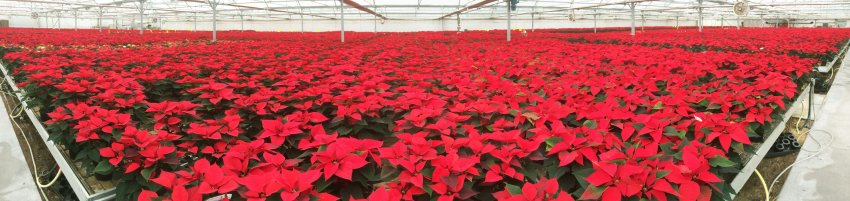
(258,8)
(589,6)
(363,8)
(470,7)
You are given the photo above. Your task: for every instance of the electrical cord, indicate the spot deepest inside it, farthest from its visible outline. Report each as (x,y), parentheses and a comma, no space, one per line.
(822,145)
(763,184)
(16,112)
(816,153)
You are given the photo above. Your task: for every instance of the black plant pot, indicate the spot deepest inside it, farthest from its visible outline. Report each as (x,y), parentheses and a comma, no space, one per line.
(103,177)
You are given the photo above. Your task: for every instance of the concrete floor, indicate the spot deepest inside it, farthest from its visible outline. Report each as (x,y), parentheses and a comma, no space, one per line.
(822,166)
(16,181)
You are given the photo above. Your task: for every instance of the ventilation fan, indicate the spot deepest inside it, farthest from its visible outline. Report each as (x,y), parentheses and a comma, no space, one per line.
(382,20)
(34,15)
(741,8)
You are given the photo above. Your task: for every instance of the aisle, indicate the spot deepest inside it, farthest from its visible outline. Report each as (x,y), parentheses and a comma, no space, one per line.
(16,182)
(822,170)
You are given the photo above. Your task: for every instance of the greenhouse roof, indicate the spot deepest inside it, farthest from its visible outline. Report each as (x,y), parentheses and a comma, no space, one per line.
(183,10)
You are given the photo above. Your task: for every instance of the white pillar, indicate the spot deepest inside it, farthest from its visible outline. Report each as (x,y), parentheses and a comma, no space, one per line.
(141,17)
(342,21)
(214,4)
(699,11)
(195,17)
(532,22)
(677,22)
(241,22)
(458,22)
(75,20)
(632,7)
(594,22)
(509,20)
(738,22)
(214,22)
(100,19)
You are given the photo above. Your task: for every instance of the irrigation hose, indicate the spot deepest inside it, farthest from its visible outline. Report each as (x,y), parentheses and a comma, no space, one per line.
(15,114)
(763,184)
(816,153)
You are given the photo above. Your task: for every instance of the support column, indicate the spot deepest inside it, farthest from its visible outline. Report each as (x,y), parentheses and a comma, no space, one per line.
(594,22)
(195,17)
(458,16)
(677,22)
(532,22)
(458,22)
(375,8)
(75,20)
(738,22)
(302,22)
(141,17)
(721,22)
(241,22)
(642,22)
(342,22)
(632,8)
(214,5)
(509,20)
(699,11)
(160,22)
(99,18)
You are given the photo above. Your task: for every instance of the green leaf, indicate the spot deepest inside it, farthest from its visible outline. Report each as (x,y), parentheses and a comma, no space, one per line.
(720,161)
(93,154)
(661,174)
(514,190)
(344,130)
(551,142)
(322,184)
(103,167)
(670,131)
(658,106)
(589,124)
(146,173)
(556,172)
(427,189)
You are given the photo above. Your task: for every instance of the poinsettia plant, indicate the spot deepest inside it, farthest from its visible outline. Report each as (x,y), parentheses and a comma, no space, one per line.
(409,116)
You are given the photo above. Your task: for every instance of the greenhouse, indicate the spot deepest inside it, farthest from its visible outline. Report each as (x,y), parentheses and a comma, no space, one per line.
(426,100)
